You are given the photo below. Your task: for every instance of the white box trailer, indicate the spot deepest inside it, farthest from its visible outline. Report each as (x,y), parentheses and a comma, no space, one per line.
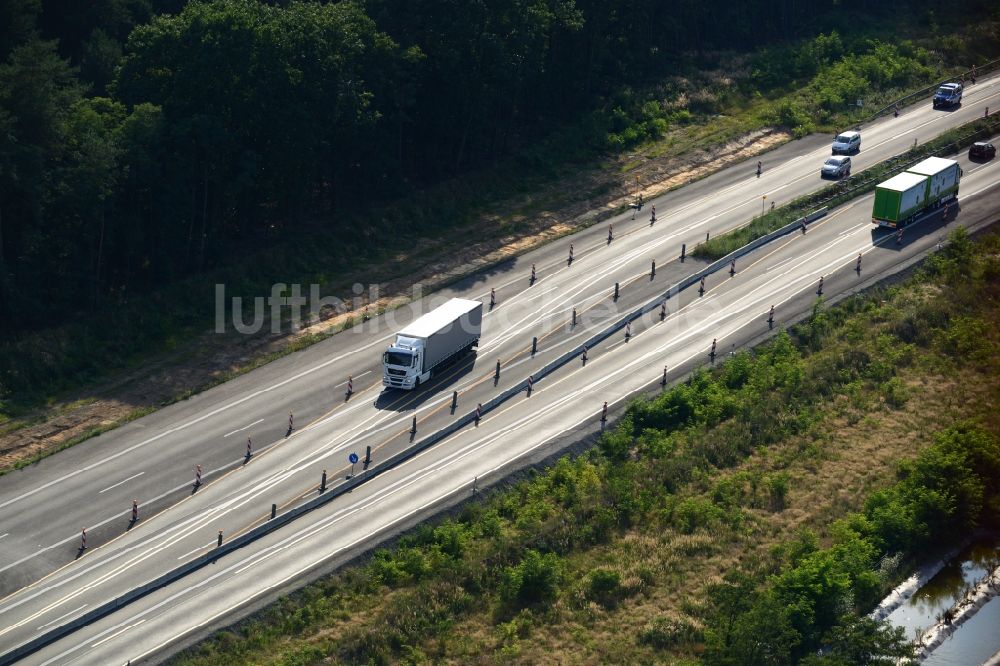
(430,341)
(944,175)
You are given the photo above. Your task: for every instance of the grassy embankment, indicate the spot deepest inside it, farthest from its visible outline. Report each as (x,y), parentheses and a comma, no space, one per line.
(804,86)
(950,142)
(747,515)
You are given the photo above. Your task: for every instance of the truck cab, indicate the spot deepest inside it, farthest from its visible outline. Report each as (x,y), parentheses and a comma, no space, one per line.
(404,363)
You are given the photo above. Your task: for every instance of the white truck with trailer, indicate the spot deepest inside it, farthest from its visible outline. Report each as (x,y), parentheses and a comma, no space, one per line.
(431,341)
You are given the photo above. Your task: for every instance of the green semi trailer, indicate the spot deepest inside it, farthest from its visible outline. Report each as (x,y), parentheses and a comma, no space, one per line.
(925,185)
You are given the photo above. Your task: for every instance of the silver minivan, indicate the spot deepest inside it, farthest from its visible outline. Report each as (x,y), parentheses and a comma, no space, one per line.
(847,143)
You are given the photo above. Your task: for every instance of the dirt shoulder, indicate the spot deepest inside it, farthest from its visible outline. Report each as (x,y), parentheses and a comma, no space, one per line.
(209,359)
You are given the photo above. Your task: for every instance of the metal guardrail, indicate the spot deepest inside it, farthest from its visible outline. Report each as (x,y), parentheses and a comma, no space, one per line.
(981,70)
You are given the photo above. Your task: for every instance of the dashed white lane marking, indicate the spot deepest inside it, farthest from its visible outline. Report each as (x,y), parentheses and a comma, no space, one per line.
(366,372)
(62,617)
(118,633)
(99,492)
(243,428)
(195,550)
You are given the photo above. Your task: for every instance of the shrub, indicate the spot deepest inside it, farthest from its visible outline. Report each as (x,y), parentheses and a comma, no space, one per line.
(535,579)
(604,587)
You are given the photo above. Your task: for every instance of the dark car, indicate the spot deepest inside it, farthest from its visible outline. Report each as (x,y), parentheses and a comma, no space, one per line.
(982,150)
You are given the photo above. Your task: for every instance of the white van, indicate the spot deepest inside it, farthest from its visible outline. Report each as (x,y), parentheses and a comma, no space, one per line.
(847,142)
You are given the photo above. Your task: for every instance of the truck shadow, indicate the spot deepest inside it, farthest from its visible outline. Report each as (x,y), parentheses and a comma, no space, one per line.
(934,222)
(443,380)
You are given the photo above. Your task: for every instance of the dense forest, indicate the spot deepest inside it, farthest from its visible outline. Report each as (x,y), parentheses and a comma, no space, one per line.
(143,141)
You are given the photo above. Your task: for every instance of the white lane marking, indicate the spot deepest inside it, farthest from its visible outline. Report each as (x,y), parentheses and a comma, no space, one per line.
(134,476)
(780,263)
(117,633)
(62,617)
(196,550)
(366,372)
(4,534)
(243,428)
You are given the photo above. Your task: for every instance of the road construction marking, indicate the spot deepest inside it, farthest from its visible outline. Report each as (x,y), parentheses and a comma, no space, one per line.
(120,483)
(243,428)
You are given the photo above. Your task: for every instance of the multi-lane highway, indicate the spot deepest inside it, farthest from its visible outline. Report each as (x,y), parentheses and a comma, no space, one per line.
(154,458)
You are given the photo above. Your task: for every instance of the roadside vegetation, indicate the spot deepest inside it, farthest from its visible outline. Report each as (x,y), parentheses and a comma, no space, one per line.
(132,179)
(862,182)
(748,515)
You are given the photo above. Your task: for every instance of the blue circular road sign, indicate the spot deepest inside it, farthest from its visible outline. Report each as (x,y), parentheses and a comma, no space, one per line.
(353,458)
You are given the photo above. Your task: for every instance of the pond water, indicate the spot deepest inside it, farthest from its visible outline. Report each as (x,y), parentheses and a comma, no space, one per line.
(976,640)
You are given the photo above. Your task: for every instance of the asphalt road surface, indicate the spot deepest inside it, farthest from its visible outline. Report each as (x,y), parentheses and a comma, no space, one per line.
(153,459)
